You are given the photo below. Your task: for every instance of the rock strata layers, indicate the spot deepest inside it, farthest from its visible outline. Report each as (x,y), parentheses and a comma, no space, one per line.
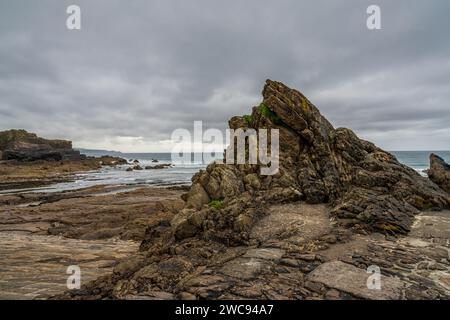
(23,146)
(299,255)
(42,234)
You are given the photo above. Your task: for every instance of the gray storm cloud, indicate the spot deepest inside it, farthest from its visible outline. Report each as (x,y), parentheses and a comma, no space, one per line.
(137,70)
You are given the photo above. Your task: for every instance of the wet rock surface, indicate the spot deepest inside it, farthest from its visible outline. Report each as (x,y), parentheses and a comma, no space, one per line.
(159,166)
(35,266)
(41,234)
(94,213)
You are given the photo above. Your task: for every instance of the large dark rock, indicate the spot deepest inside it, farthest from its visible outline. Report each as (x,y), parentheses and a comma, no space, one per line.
(288,250)
(24,146)
(366,187)
(439,172)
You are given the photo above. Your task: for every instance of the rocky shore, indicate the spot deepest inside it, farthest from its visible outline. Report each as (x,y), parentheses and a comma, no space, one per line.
(338,207)
(41,234)
(27,160)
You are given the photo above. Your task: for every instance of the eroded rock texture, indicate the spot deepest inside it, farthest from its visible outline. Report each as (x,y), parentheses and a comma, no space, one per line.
(24,146)
(366,186)
(242,235)
(439,172)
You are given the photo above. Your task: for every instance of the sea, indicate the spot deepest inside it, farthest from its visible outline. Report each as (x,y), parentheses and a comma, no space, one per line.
(182,171)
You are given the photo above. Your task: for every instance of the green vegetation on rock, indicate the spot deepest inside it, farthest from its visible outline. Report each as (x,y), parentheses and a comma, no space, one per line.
(248,119)
(269,114)
(216,204)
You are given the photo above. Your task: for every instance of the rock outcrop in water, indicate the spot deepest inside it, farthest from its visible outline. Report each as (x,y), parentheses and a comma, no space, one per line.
(24,146)
(439,172)
(367,187)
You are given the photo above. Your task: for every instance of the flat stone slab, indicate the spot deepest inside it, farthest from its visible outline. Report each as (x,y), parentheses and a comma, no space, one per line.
(272,254)
(293,222)
(245,268)
(353,280)
(433,226)
(35,266)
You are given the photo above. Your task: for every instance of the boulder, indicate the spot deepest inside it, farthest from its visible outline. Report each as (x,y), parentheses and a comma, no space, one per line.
(439,172)
(158,166)
(111,161)
(197,197)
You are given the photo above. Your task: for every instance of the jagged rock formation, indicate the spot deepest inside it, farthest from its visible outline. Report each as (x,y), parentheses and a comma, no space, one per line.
(366,186)
(241,235)
(23,146)
(439,172)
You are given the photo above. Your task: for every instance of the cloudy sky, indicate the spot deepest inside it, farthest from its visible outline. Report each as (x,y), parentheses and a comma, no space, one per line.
(139,69)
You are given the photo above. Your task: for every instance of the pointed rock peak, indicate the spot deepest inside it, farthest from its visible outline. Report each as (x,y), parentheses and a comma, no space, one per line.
(366,188)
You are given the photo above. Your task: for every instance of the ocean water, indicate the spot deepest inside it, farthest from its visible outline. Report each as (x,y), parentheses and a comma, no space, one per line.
(419,160)
(181,173)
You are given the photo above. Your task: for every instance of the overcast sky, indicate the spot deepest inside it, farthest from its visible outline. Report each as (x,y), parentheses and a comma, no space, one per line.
(139,69)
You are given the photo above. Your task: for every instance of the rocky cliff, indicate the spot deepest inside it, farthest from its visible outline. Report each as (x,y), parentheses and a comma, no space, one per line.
(24,146)
(366,187)
(439,172)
